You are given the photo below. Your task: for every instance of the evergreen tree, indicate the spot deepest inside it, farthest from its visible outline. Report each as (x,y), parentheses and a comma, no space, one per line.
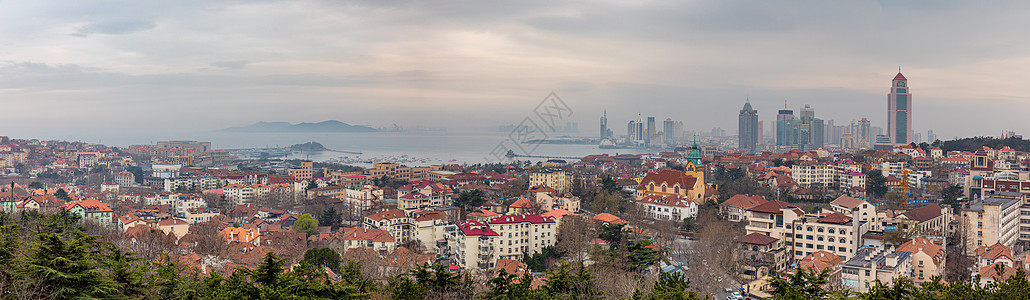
(68,267)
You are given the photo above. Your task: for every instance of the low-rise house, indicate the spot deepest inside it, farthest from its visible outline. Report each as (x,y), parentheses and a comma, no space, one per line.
(93,210)
(400,225)
(241,235)
(376,239)
(928,258)
(735,207)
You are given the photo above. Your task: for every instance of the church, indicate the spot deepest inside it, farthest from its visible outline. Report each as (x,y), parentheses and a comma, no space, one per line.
(674,194)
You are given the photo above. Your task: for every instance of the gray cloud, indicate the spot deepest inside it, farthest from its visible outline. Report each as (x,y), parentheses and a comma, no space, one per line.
(231,65)
(427,63)
(114,27)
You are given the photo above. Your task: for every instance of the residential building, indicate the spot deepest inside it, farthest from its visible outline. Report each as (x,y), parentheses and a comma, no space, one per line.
(869,265)
(990,221)
(241,235)
(928,258)
(522,234)
(557,179)
(395,221)
(304,172)
(475,245)
(735,207)
(422,195)
(372,238)
(91,209)
(673,207)
(759,255)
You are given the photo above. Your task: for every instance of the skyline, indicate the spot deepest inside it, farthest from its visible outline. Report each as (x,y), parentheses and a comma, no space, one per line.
(199,66)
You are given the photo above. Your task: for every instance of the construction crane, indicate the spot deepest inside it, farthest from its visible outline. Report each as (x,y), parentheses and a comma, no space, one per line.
(904,176)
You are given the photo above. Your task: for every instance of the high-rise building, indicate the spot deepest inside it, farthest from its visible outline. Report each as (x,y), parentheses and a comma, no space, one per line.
(817,133)
(747,129)
(631,131)
(651,132)
(931,136)
(804,128)
(863,134)
(761,132)
(604,125)
(899,111)
(669,131)
(784,128)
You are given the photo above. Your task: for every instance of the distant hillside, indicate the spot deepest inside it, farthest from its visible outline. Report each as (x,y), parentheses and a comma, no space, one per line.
(325,126)
(975,143)
(309,146)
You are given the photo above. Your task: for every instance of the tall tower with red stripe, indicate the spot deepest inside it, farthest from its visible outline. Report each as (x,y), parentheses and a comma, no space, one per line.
(899,111)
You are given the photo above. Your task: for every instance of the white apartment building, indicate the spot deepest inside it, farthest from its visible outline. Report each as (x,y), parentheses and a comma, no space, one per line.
(520,234)
(869,265)
(395,221)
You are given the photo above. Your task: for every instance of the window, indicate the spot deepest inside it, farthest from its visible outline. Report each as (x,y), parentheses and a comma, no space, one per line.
(842,231)
(830,239)
(867,274)
(920,264)
(841,249)
(830,231)
(809,228)
(820,229)
(808,246)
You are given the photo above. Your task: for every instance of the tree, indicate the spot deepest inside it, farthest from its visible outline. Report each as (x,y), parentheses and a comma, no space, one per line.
(605,202)
(506,286)
(875,183)
(613,234)
(610,185)
(470,198)
(330,217)
(950,195)
(68,266)
(306,224)
(35,185)
(63,195)
(674,286)
(802,285)
(129,280)
(564,283)
(322,257)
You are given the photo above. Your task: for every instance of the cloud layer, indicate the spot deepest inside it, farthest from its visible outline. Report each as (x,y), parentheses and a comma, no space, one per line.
(139,66)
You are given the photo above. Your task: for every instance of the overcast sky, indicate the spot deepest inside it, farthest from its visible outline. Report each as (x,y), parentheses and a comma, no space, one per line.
(83,67)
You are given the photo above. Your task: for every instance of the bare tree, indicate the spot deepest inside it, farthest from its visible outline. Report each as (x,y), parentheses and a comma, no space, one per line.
(574,235)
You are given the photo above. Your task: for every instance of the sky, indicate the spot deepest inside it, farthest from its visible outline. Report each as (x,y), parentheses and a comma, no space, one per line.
(95,68)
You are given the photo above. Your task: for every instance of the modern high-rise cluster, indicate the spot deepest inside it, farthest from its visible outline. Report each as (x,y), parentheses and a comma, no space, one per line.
(806,132)
(641,133)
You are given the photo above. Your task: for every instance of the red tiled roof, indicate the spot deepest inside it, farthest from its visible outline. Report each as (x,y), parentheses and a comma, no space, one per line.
(995,251)
(510,219)
(609,218)
(819,261)
(924,213)
(387,214)
(919,244)
(522,203)
(669,177)
(757,239)
(835,218)
(771,207)
(743,201)
(366,234)
(473,227)
(848,202)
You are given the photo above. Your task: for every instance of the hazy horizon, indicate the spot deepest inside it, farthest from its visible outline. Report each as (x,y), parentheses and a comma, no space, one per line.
(126,67)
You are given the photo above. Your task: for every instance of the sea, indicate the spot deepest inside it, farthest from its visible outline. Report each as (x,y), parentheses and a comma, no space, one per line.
(412,148)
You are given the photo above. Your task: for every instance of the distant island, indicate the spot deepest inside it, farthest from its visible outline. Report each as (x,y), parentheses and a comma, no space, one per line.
(325,126)
(308,147)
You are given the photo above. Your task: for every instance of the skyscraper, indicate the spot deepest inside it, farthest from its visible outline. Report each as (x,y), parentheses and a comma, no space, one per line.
(784,128)
(651,132)
(747,129)
(899,111)
(670,131)
(864,134)
(631,131)
(604,125)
